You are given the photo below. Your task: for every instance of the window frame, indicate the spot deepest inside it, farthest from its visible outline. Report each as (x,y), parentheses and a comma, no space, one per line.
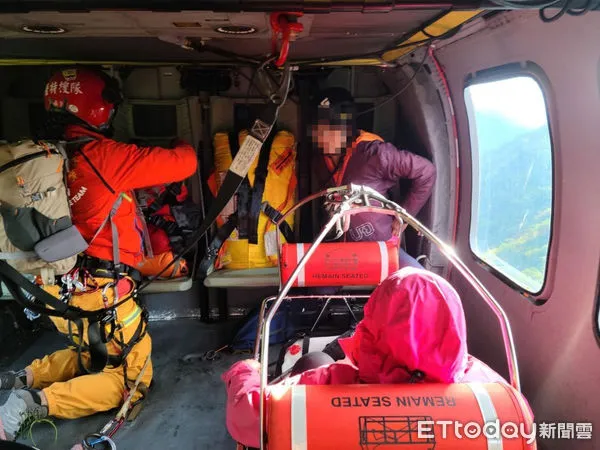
(596,316)
(499,73)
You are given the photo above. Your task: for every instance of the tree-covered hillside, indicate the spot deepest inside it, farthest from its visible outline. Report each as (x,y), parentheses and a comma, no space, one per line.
(512,218)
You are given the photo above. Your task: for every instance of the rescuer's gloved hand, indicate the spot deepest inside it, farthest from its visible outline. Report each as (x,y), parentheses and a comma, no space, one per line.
(13,380)
(22,407)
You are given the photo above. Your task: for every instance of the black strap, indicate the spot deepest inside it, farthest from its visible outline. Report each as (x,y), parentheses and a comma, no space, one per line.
(305,344)
(171,228)
(256,194)
(14,281)
(108,186)
(275,216)
(24,159)
(243,193)
(215,245)
(167,196)
(17,284)
(96,347)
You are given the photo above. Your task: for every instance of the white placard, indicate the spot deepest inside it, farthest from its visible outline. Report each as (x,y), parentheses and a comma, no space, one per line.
(246,155)
(271,243)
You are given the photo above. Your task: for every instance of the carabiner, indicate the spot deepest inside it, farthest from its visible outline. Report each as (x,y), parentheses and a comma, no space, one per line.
(96,439)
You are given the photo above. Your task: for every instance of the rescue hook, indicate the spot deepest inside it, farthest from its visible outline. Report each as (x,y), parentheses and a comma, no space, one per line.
(286,25)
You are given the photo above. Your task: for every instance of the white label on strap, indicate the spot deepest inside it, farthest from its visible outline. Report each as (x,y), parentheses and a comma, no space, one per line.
(385,264)
(271,243)
(246,155)
(298,419)
(299,256)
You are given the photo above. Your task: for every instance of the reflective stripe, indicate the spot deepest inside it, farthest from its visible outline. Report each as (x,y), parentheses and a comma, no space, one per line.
(299,439)
(128,320)
(488,412)
(385,266)
(299,256)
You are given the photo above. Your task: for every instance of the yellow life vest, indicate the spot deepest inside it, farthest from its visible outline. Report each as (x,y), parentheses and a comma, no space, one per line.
(279,191)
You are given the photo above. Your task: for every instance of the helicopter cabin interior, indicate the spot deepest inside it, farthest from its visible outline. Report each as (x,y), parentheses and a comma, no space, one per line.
(502,101)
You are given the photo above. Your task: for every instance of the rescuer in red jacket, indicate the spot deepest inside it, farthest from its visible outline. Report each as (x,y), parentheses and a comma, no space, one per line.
(82,103)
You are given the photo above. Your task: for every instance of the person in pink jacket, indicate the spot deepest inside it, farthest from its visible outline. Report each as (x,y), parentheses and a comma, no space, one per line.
(413,330)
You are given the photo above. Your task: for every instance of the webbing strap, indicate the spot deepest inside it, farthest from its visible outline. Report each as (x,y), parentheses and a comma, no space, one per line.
(28,294)
(275,216)
(115,234)
(98,174)
(146,234)
(96,347)
(243,193)
(256,194)
(24,159)
(17,255)
(215,245)
(171,191)
(15,281)
(113,211)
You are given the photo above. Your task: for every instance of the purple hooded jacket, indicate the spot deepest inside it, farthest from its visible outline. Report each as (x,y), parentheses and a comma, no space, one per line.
(381,166)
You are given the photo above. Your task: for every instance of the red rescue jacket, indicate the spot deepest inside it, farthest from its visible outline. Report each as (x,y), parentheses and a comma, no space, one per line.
(124,167)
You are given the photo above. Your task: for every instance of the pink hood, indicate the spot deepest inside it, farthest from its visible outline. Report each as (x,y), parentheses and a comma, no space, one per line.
(413,321)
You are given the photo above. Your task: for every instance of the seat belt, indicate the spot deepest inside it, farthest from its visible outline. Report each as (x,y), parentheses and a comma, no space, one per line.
(243,193)
(258,189)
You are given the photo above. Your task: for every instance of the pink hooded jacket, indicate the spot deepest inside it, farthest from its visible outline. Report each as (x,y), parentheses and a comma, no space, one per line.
(413,321)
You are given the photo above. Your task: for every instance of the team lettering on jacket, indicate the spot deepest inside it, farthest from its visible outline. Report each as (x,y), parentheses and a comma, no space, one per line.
(78,196)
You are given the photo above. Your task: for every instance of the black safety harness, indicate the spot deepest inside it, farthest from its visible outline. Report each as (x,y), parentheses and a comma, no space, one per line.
(35,299)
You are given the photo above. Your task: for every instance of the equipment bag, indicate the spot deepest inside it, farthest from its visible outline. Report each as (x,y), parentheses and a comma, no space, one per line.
(36,231)
(281,329)
(166,235)
(268,190)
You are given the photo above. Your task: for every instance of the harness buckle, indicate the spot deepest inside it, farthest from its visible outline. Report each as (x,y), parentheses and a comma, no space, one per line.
(110,315)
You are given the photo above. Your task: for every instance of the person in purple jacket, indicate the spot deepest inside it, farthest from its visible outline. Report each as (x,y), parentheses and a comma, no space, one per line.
(355,156)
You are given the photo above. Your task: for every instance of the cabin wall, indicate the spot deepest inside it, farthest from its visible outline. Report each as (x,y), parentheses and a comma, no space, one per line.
(556,343)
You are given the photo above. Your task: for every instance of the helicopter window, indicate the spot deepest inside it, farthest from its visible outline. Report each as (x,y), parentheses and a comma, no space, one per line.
(512,170)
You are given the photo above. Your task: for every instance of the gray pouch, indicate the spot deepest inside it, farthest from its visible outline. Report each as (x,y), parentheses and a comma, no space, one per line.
(64,244)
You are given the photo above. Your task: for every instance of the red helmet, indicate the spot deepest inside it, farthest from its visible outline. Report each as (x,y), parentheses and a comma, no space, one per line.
(90,95)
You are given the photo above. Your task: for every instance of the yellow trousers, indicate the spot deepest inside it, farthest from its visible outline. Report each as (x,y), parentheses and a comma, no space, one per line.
(71,394)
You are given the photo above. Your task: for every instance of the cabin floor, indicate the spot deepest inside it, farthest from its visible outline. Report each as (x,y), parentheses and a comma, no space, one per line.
(185,408)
